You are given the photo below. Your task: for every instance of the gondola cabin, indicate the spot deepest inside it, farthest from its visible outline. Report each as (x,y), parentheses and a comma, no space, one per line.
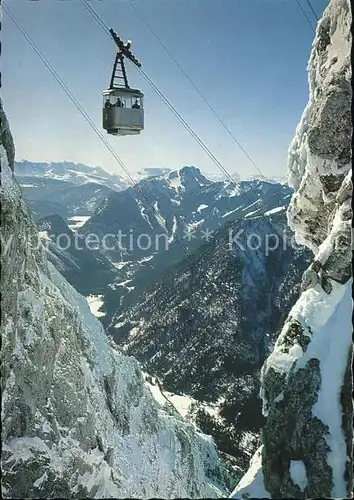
(123,111)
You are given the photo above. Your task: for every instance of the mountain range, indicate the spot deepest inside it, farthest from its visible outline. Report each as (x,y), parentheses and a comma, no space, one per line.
(151,300)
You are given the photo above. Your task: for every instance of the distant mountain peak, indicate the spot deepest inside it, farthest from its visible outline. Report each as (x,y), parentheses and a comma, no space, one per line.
(190,178)
(76,174)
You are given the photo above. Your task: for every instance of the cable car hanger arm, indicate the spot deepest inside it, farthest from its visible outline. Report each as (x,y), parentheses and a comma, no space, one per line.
(124,48)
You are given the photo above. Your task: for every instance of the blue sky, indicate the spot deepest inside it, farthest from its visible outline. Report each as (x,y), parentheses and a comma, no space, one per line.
(248,57)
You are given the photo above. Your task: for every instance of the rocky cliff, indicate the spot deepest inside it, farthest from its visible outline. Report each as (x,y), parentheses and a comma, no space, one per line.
(78,420)
(306,447)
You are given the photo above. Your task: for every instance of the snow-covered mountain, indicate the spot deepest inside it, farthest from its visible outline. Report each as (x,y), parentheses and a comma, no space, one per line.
(176,210)
(173,205)
(78,420)
(55,197)
(71,189)
(216,176)
(74,173)
(307,438)
(65,188)
(171,215)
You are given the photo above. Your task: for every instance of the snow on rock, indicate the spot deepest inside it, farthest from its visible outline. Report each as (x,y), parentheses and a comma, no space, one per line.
(309,364)
(275,210)
(306,381)
(252,483)
(77,418)
(320,154)
(298,473)
(76,221)
(95,302)
(175,180)
(182,403)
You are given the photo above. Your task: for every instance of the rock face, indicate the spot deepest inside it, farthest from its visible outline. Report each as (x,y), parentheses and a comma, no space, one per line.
(306,447)
(6,137)
(77,419)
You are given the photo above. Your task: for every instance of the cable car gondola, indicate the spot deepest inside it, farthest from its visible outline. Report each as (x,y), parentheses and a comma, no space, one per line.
(123,107)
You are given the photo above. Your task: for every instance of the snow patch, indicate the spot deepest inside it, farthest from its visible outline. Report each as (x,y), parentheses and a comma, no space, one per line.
(181,402)
(175,180)
(276,210)
(121,264)
(77,221)
(95,302)
(251,205)
(252,483)
(279,398)
(174,230)
(250,214)
(298,473)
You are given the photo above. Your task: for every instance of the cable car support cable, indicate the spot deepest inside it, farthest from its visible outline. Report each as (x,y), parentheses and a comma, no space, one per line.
(312,9)
(100,135)
(68,92)
(189,256)
(95,129)
(306,16)
(180,118)
(172,108)
(184,72)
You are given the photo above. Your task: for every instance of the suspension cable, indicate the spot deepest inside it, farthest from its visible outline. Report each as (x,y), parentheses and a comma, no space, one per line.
(184,72)
(104,26)
(88,119)
(172,108)
(305,15)
(312,9)
(90,122)
(96,130)
(134,184)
